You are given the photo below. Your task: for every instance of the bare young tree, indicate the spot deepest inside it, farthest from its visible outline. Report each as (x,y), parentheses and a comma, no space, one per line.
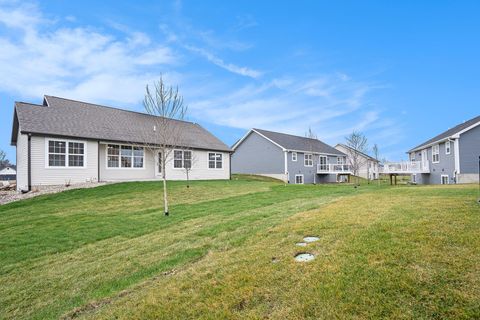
(166,104)
(3,159)
(357,144)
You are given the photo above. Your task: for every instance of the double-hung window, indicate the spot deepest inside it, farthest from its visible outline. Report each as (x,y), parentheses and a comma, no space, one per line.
(447,147)
(215,160)
(294,156)
(435,154)
(122,156)
(62,153)
(182,159)
(308,160)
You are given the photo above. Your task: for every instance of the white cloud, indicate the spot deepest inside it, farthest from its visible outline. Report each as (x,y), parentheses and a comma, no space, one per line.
(40,57)
(243,71)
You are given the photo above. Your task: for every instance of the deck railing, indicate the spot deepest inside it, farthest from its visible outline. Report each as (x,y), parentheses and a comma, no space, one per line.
(334,168)
(405,167)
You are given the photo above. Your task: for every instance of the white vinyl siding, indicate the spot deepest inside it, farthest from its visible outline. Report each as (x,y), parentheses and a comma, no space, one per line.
(42,174)
(199,171)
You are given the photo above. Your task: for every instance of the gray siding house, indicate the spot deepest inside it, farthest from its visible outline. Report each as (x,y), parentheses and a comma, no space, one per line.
(66,141)
(290,158)
(450,157)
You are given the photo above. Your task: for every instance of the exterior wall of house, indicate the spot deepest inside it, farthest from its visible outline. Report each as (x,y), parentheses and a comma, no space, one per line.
(257,155)
(199,171)
(43,175)
(309,173)
(445,166)
(22,161)
(469,149)
(368,168)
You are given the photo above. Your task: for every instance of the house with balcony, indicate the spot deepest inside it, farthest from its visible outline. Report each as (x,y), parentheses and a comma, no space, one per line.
(368,167)
(293,159)
(450,157)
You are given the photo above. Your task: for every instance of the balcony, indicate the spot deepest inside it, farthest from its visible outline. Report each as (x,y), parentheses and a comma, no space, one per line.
(334,168)
(405,167)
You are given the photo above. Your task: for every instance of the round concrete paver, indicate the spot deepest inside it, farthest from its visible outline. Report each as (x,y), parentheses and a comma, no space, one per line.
(304,257)
(311,239)
(301,244)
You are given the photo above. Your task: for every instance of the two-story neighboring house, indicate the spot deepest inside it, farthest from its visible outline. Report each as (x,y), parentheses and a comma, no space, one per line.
(367,165)
(290,158)
(450,157)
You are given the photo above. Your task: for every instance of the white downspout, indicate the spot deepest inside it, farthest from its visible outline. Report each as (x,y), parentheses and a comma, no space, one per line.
(456,156)
(285,152)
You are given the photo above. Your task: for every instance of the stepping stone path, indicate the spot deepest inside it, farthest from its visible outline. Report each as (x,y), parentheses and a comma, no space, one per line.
(304,257)
(311,239)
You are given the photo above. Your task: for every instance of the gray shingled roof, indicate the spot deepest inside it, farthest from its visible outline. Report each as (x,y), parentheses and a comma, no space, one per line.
(70,118)
(448,133)
(298,143)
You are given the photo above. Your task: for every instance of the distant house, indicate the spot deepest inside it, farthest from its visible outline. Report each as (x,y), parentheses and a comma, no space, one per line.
(368,166)
(290,158)
(8,174)
(66,141)
(450,157)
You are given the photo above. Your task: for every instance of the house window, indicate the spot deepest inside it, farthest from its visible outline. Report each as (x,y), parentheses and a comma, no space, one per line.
(294,156)
(308,160)
(447,147)
(412,157)
(214,160)
(340,160)
(57,153)
(121,156)
(113,156)
(75,154)
(182,159)
(445,179)
(66,153)
(299,179)
(435,154)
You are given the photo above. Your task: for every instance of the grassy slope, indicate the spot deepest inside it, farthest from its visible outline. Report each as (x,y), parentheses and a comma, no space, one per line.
(407,251)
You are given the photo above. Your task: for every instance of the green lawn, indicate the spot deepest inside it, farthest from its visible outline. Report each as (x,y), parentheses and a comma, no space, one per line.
(108,252)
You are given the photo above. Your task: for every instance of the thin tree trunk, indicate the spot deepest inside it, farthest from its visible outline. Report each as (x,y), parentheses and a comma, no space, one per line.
(164,176)
(165,198)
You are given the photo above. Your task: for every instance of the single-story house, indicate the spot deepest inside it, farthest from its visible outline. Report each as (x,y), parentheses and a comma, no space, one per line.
(8,174)
(367,165)
(63,141)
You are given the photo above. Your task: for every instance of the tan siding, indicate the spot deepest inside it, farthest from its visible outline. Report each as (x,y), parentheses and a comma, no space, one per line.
(41,175)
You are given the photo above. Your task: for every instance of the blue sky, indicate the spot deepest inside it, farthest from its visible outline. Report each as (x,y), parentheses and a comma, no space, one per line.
(399,72)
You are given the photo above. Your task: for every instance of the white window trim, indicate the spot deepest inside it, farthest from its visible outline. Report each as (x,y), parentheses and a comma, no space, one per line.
(305,160)
(437,153)
(299,175)
(120,157)
(183,160)
(449,147)
(47,165)
(208,161)
(296,156)
(441,178)
(340,160)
